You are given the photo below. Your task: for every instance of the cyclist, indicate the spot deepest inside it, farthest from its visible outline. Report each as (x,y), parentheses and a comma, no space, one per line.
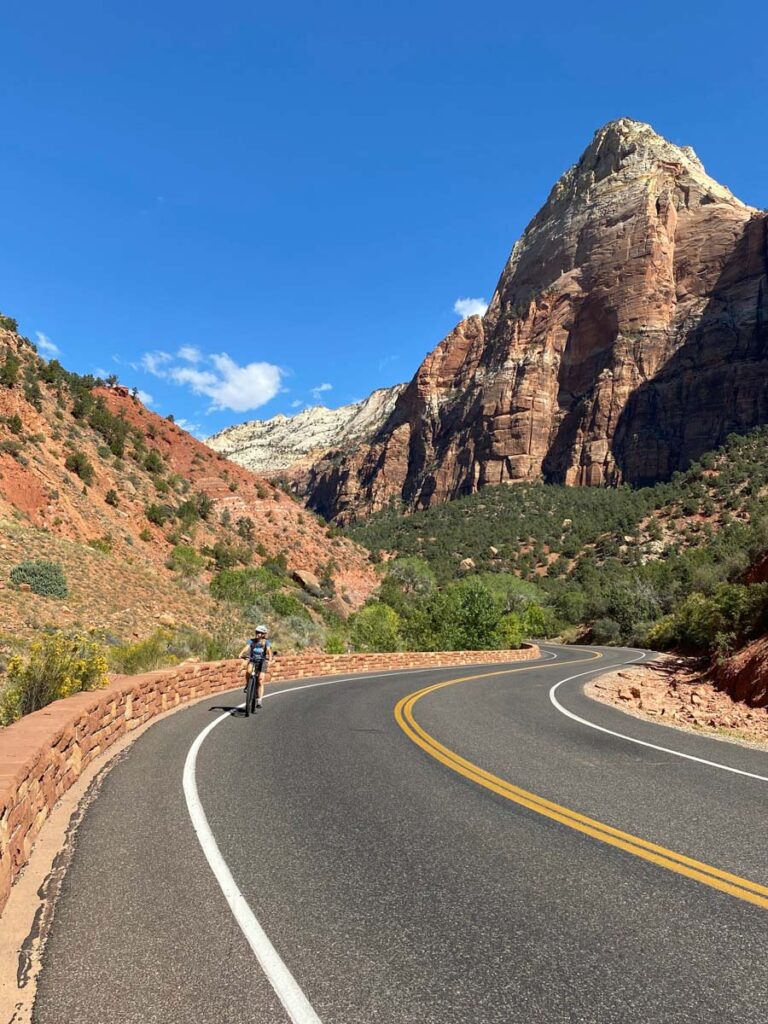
(258,652)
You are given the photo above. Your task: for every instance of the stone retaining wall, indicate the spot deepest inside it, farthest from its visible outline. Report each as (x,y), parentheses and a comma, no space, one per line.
(42,755)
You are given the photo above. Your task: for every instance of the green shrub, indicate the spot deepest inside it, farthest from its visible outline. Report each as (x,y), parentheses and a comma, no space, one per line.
(112,498)
(226,555)
(510,631)
(606,631)
(701,622)
(413,574)
(538,621)
(45,578)
(9,371)
(15,424)
(286,604)
(158,514)
(334,644)
(276,564)
(103,544)
(153,463)
(408,580)
(246,529)
(472,615)
(327,581)
(13,448)
(244,586)
(298,633)
(33,395)
(7,323)
(376,627)
(144,655)
(57,666)
(223,638)
(185,561)
(204,504)
(79,464)
(145,535)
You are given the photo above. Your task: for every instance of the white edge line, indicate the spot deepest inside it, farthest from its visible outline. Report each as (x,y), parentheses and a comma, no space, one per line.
(631,739)
(296,1004)
(285,985)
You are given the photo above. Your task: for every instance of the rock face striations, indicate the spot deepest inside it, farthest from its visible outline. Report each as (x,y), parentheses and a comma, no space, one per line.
(628,334)
(287,446)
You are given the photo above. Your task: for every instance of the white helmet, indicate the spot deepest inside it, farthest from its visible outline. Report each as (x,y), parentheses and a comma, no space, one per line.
(262,629)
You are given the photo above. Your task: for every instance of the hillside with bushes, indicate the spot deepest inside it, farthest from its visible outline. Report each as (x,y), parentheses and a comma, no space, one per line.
(668,566)
(115,521)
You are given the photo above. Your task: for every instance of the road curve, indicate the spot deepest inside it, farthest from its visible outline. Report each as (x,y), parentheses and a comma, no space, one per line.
(395,887)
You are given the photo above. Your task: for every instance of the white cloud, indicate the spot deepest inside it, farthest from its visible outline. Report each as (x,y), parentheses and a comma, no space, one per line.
(145,397)
(218,377)
(153,362)
(470,307)
(231,386)
(296,403)
(190,354)
(99,371)
(318,391)
(45,344)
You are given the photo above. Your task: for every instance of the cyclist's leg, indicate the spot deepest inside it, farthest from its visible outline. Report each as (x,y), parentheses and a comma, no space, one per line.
(261,682)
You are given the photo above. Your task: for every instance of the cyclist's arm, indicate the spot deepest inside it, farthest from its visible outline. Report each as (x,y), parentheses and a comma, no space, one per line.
(244,652)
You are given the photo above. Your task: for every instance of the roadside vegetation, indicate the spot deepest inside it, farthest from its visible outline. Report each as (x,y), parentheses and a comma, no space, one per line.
(664,566)
(55,666)
(483,612)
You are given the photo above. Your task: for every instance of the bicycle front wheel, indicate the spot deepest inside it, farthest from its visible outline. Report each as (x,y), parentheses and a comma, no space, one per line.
(250,696)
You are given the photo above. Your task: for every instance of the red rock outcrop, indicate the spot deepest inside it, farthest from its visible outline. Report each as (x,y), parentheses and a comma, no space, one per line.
(628,334)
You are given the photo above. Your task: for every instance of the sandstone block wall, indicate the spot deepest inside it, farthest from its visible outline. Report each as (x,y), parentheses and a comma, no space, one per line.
(44,754)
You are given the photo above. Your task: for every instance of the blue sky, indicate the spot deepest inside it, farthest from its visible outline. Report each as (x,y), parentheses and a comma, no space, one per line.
(242,207)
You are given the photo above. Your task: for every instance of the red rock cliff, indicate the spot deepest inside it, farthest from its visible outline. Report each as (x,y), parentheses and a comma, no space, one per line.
(627,335)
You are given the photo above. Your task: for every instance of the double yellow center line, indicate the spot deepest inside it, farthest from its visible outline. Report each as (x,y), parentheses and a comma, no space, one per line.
(726,882)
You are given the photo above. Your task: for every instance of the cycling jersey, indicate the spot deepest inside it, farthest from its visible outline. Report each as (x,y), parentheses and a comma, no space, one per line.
(258,652)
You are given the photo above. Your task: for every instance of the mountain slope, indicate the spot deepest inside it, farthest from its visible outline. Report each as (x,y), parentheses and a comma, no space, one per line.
(286,446)
(628,334)
(543,531)
(138,512)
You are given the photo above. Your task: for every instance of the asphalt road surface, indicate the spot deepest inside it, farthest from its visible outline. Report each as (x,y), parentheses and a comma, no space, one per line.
(404,878)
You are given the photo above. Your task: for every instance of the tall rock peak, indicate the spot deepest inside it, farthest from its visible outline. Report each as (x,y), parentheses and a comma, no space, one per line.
(625,163)
(628,333)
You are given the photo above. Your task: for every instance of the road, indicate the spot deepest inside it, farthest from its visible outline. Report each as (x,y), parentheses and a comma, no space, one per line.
(400,887)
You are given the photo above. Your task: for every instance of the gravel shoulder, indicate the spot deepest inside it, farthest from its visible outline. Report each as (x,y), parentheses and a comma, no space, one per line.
(672,691)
